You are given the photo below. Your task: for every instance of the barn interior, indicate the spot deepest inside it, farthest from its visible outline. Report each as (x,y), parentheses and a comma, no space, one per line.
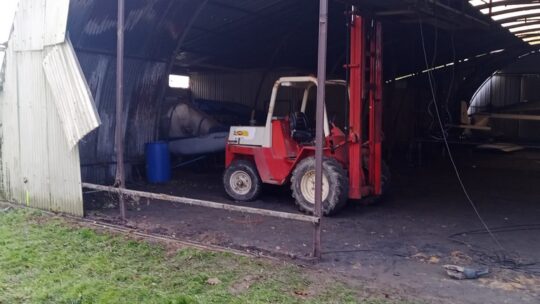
(456,73)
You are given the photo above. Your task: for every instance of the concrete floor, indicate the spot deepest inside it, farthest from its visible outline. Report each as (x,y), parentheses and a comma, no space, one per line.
(398,244)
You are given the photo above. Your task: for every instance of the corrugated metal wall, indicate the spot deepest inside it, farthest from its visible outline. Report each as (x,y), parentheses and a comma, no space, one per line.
(143,83)
(153,31)
(38,166)
(530,89)
(239,87)
(497,91)
(516,84)
(11,178)
(513,84)
(2,66)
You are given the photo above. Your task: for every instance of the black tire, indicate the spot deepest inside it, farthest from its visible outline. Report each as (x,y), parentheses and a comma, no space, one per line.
(386,179)
(248,184)
(338,186)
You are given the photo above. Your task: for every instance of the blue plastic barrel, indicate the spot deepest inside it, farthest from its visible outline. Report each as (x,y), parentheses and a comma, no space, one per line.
(158,162)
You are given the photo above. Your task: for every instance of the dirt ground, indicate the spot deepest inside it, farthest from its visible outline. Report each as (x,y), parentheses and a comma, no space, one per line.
(399,244)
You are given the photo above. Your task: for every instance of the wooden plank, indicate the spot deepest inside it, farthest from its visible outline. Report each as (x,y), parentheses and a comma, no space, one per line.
(512,116)
(473,127)
(502,147)
(208,204)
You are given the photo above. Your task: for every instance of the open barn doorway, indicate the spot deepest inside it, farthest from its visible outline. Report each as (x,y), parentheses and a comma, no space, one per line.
(231,57)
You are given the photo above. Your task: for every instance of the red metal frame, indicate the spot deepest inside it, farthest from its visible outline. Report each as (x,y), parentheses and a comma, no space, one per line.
(356,68)
(375,110)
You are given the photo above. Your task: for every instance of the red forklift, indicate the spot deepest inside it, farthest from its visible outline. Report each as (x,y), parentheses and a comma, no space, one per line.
(283,150)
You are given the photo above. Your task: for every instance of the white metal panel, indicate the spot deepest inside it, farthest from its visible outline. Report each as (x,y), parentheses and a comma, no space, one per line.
(10,162)
(29,26)
(64,166)
(2,68)
(73,100)
(38,167)
(250,136)
(33,129)
(56,16)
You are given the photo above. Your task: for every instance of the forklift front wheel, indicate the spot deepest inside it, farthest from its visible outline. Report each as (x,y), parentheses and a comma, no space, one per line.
(335,186)
(241,181)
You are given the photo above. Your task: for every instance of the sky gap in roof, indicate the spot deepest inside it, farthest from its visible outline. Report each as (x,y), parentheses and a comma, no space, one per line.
(522,18)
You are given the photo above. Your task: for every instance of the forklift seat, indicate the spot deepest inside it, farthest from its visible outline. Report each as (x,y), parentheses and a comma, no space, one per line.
(300,130)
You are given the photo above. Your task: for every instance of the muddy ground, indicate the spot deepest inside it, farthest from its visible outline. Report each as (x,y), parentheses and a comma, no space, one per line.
(399,244)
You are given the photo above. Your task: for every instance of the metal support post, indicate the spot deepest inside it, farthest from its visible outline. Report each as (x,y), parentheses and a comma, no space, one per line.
(119,132)
(319,137)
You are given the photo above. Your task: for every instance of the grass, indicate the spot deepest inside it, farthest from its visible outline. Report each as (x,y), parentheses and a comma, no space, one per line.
(47,260)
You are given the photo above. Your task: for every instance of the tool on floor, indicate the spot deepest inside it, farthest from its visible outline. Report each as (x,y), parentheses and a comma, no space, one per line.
(465,273)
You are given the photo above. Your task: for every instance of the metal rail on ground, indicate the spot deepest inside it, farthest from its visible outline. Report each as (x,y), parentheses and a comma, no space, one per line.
(203,203)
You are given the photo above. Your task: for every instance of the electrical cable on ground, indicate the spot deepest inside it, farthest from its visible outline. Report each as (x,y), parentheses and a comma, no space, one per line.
(512,228)
(447,145)
(485,258)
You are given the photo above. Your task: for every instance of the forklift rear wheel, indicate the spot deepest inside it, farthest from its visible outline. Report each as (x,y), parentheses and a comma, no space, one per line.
(241,181)
(335,186)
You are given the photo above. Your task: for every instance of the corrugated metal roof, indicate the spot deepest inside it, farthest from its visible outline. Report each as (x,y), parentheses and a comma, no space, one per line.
(73,99)
(519,17)
(152,31)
